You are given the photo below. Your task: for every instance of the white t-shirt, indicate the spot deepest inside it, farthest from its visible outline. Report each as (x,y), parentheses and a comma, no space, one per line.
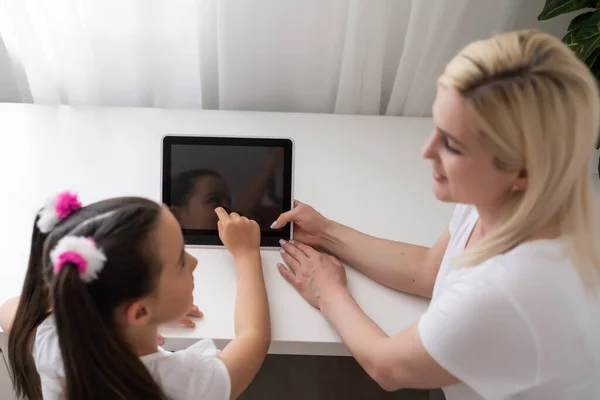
(518,326)
(193,373)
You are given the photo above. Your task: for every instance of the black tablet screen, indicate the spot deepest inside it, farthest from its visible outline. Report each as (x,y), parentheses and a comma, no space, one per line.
(249,176)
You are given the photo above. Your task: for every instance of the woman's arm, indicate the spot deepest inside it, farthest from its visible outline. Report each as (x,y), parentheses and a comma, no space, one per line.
(478,331)
(401,266)
(7,313)
(244,355)
(394,362)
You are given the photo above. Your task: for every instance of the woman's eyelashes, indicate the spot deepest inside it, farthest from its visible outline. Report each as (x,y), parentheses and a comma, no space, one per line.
(448,147)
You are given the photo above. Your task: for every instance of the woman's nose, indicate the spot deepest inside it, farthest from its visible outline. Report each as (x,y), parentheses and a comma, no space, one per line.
(428,151)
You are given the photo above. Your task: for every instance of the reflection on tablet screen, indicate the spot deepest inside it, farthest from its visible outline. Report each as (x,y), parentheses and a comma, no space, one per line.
(244,179)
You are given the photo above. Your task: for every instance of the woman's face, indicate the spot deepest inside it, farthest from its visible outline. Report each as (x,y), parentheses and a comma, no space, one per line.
(208,193)
(463,166)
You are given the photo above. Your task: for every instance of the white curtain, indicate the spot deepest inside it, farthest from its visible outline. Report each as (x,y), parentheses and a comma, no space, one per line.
(342,56)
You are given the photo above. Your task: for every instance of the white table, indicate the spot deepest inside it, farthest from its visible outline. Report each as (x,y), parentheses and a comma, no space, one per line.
(366,172)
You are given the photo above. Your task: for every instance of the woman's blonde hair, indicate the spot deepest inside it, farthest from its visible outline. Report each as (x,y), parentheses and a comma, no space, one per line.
(537,107)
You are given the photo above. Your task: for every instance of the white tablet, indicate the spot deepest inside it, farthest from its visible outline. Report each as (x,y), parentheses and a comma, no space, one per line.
(251,176)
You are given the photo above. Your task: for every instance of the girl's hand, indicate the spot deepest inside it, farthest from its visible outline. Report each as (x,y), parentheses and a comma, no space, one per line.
(314,275)
(185,321)
(194,312)
(240,235)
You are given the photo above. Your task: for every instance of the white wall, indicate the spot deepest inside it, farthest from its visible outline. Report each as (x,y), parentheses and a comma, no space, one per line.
(527,18)
(9,92)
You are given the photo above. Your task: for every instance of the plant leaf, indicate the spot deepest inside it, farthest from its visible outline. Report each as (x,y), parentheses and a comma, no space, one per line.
(579,21)
(552,8)
(583,36)
(585,26)
(589,45)
(591,61)
(595,68)
(570,41)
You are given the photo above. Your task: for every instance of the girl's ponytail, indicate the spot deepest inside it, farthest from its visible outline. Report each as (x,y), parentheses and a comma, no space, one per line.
(98,363)
(33,308)
(34,305)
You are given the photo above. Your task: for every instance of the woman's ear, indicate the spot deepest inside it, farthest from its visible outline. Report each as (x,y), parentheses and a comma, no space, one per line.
(522,179)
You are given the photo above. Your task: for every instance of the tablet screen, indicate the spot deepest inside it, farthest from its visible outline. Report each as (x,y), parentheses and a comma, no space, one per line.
(249,176)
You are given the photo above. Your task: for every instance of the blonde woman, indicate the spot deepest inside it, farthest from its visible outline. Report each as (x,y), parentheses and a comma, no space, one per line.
(514,281)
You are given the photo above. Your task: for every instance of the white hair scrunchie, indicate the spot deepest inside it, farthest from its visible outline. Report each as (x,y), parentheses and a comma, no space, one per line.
(81,252)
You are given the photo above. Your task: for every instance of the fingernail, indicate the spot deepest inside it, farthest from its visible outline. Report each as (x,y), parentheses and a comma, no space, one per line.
(281,242)
(282,251)
(291,241)
(192,324)
(274,225)
(195,308)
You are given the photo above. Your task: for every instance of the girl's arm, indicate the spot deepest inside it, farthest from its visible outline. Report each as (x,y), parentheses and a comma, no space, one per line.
(7,313)
(244,355)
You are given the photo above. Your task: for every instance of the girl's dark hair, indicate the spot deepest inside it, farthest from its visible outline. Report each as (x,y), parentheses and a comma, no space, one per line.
(33,308)
(182,185)
(98,362)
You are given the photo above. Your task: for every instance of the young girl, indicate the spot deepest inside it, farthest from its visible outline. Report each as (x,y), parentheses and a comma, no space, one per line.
(113,272)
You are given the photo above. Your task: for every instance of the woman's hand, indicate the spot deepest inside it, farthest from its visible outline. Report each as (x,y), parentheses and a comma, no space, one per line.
(240,235)
(314,275)
(309,225)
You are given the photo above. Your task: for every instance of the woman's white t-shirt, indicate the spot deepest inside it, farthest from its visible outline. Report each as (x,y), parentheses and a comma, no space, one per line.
(193,373)
(521,325)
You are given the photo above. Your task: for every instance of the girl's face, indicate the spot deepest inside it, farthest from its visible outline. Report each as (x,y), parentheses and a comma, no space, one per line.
(209,192)
(173,296)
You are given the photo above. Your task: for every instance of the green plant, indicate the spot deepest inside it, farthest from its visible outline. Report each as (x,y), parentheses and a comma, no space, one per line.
(583,33)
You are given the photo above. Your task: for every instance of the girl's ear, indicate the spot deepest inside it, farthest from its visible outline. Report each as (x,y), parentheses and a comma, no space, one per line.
(138,312)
